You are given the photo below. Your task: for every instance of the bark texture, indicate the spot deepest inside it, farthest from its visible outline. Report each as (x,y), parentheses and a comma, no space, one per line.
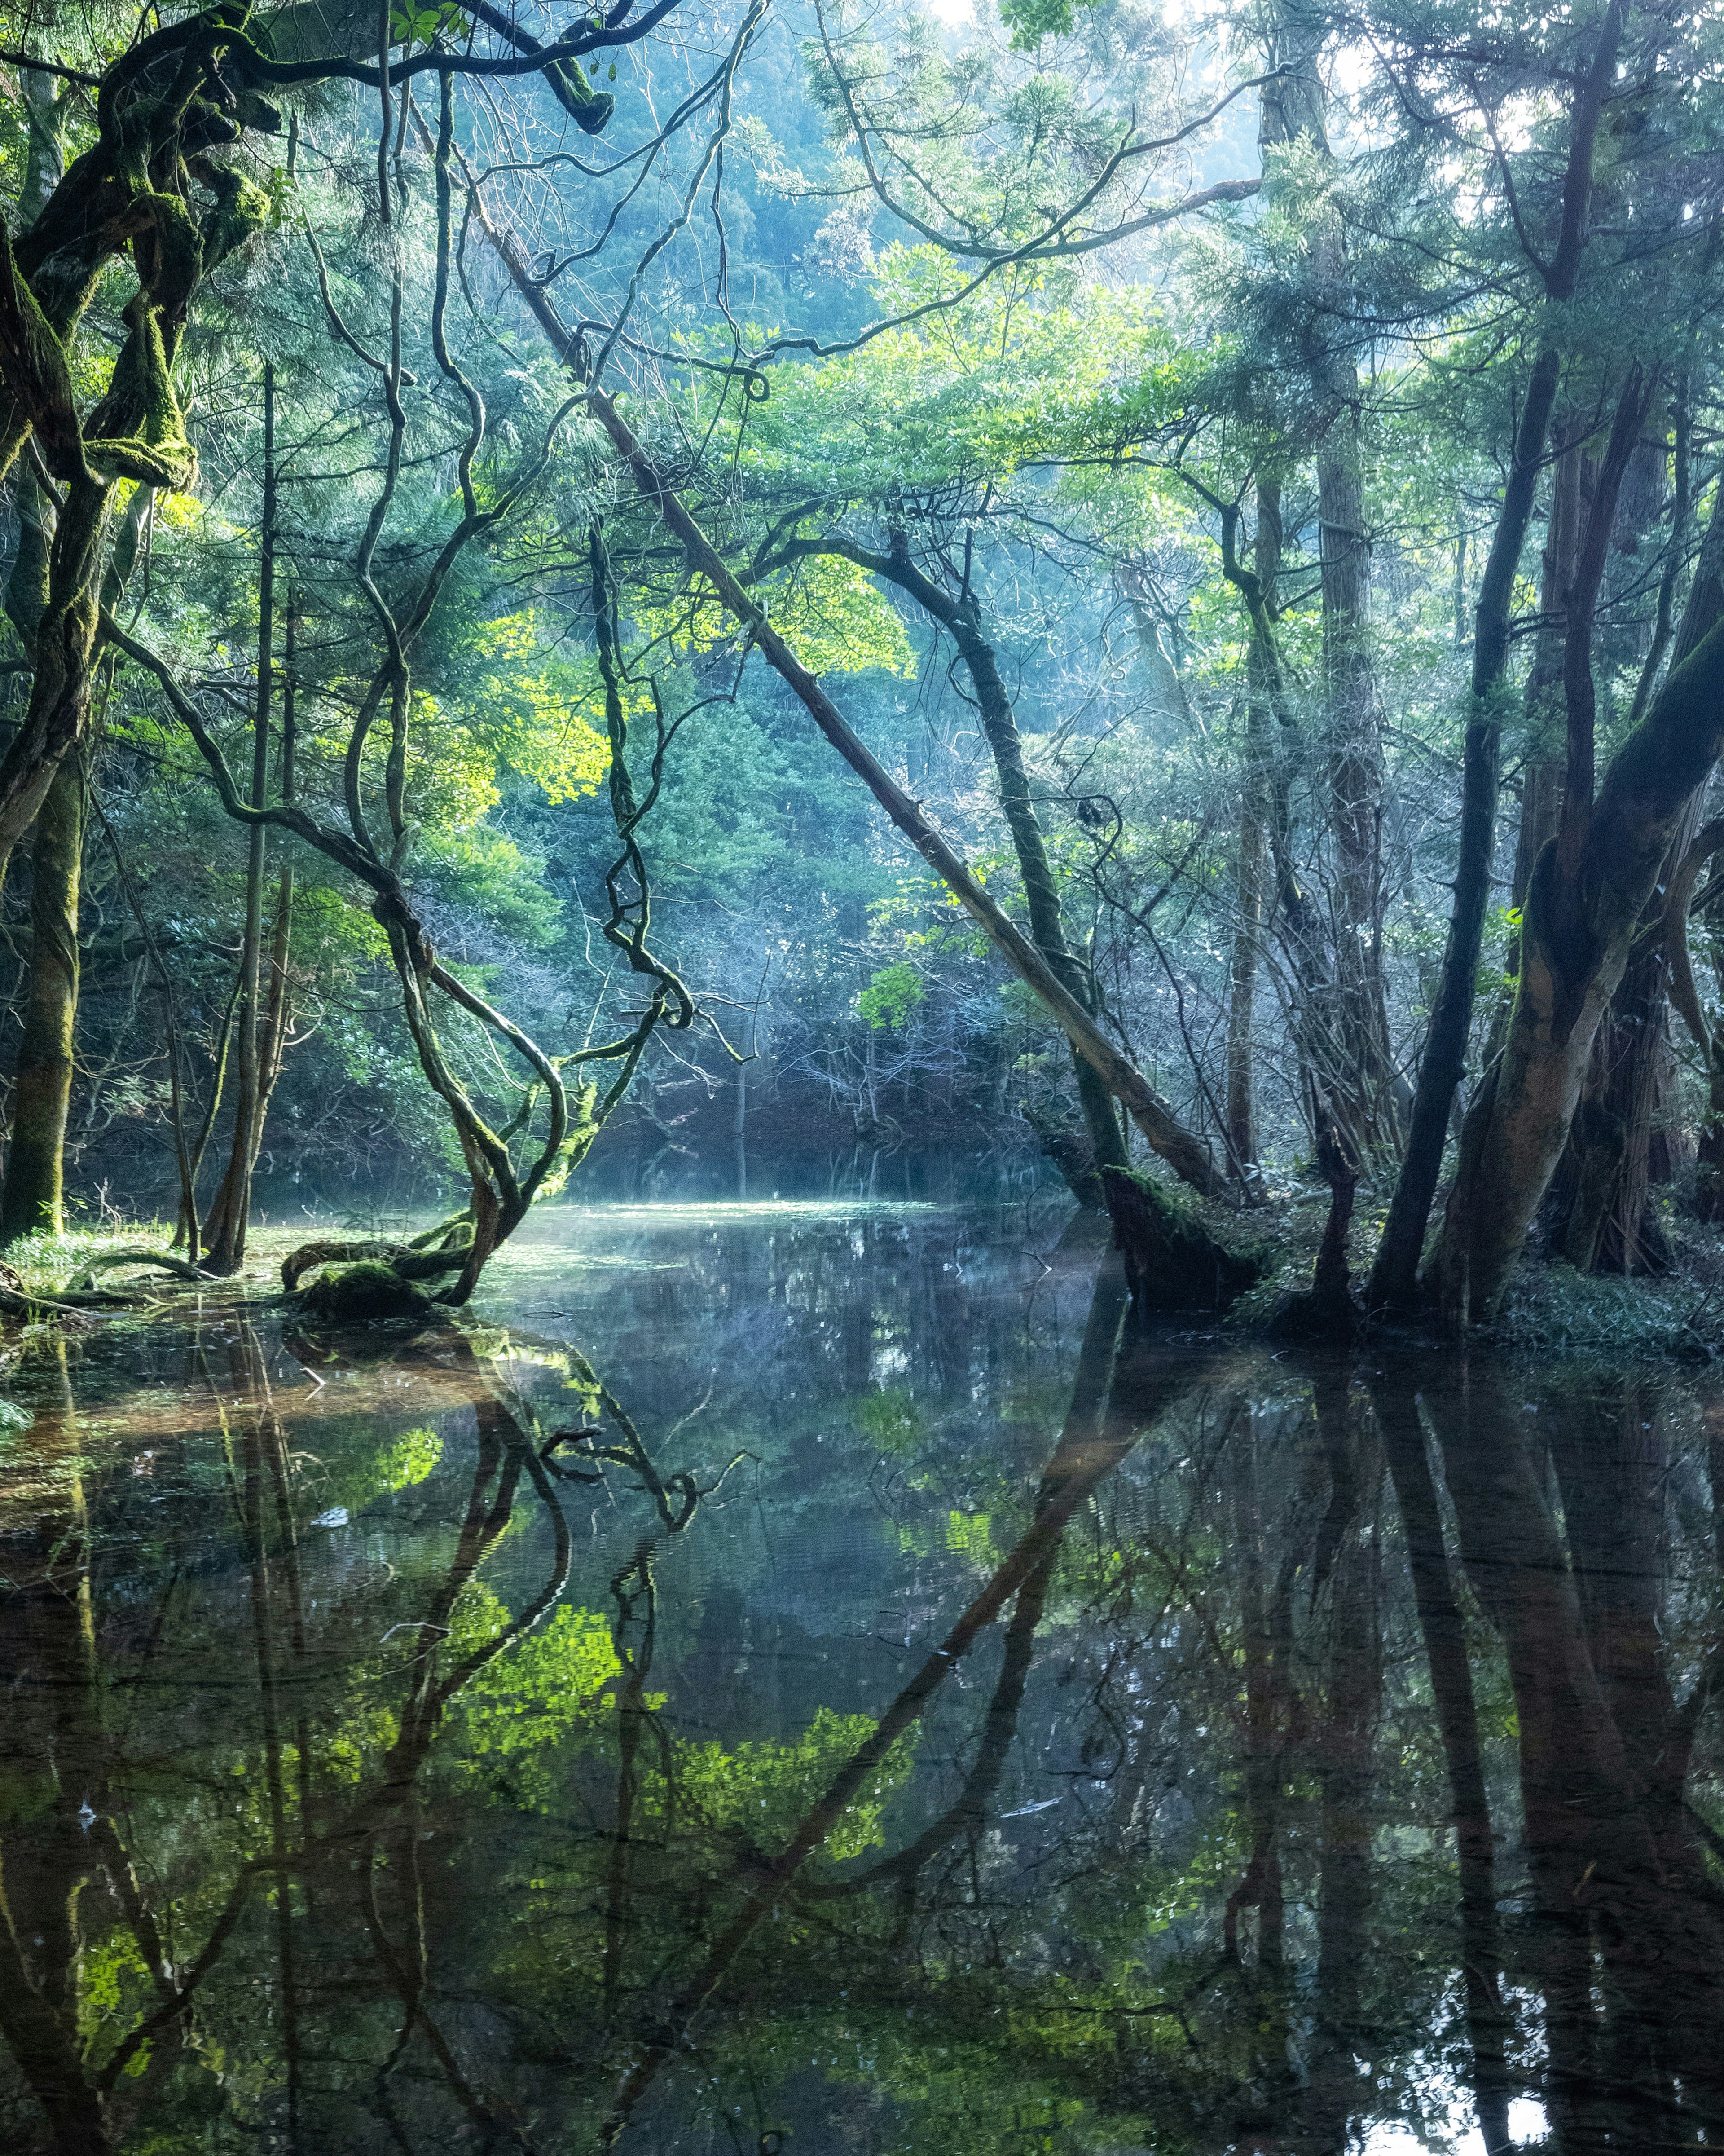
(33,1198)
(1393,1278)
(1579,925)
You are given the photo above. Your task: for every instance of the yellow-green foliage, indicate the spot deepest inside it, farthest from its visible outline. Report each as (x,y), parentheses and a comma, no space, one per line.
(763,1790)
(405,1463)
(530,1696)
(826,609)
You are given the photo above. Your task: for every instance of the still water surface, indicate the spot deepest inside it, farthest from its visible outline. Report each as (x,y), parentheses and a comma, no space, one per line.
(797,1679)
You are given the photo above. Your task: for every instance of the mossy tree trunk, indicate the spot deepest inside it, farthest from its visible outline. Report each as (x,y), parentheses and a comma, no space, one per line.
(33,1197)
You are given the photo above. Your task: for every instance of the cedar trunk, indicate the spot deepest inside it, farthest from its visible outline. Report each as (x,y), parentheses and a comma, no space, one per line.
(1578,930)
(33,1201)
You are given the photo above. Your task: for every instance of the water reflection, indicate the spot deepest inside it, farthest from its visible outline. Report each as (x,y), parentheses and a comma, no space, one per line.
(826,1682)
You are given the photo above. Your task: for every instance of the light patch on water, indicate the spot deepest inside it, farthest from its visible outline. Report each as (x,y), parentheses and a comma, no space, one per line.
(717,1211)
(1527,2122)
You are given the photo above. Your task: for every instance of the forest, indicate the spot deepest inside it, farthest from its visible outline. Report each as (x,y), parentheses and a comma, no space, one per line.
(861,1078)
(691,606)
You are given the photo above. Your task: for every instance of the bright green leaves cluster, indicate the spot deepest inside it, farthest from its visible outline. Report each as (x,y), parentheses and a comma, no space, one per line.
(891,995)
(520,1705)
(762,1790)
(1030,21)
(411,25)
(1015,376)
(543,717)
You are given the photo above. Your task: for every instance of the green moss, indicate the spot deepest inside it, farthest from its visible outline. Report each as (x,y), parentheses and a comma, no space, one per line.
(1173,1260)
(365,1294)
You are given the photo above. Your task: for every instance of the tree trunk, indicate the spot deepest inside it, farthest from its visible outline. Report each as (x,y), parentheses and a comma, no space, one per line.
(1254,898)
(961,617)
(1597,1213)
(1357,785)
(34,1198)
(1249,885)
(1580,922)
(1444,1633)
(224,1232)
(1393,1279)
(1361,1088)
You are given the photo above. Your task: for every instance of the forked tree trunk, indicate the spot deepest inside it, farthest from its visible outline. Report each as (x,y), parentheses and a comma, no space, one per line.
(1393,1278)
(1578,926)
(962,618)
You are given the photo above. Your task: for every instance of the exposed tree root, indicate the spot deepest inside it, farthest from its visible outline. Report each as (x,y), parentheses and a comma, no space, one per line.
(406,1261)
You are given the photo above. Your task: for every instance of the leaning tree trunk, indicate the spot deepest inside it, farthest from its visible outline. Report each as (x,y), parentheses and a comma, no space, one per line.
(1582,914)
(33,1197)
(1183,1150)
(962,616)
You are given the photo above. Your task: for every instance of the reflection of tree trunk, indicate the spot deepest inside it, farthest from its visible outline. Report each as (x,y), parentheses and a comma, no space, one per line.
(1592,1857)
(968,1815)
(1613,1472)
(1445,1636)
(259,1445)
(1146,1381)
(633,1586)
(1346,1745)
(50,1767)
(1271,1708)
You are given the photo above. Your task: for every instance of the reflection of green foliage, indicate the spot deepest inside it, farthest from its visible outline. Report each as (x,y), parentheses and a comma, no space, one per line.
(114,1982)
(349,1756)
(972,1533)
(535,1693)
(401,1463)
(762,1790)
(890,1420)
(409,1461)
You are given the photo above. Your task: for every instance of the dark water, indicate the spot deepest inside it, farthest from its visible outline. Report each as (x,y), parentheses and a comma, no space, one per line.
(919,1715)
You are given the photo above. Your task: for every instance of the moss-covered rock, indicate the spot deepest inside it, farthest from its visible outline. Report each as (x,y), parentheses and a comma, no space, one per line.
(366,1294)
(1173,1262)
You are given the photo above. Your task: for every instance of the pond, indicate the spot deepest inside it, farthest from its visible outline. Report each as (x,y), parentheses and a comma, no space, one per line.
(817,1679)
